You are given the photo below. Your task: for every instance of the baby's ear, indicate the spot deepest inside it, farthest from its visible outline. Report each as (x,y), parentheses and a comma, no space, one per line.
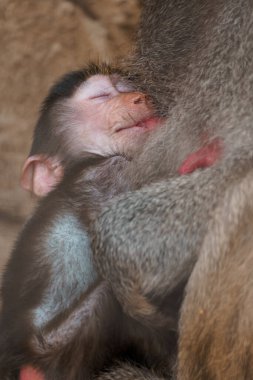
(40,174)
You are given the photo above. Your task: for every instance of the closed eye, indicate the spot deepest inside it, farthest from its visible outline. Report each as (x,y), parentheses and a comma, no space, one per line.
(100,96)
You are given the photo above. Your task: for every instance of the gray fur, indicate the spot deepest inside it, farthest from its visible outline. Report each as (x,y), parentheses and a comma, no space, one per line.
(71,273)
(195,58)
(54,303)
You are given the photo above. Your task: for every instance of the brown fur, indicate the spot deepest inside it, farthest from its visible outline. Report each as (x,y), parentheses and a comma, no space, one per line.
(217,317)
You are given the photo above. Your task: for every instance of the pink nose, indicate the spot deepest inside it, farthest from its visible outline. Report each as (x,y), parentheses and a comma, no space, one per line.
(134,100)
(139,98)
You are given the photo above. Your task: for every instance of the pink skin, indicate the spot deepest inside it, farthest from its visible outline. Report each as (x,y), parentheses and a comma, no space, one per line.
(106,117)
(28,373)
(202,158)
(40,174)
(115,116)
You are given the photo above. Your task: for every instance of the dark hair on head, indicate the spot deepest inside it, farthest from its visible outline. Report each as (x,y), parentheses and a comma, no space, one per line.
(43,137)
(66,85)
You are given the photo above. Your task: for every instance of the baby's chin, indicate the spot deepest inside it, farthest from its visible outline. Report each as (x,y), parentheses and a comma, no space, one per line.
(129,139)
(131,142)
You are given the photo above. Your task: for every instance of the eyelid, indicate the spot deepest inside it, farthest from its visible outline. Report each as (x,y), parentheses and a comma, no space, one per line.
(100,98)
(102,95)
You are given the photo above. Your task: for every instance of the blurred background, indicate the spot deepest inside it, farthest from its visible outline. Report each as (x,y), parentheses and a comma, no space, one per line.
(39,41)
